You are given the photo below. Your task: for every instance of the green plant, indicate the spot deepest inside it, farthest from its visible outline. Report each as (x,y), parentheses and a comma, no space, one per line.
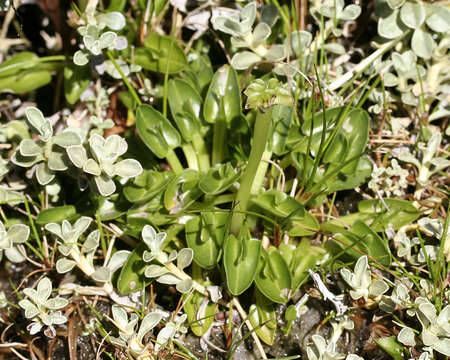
(11,241)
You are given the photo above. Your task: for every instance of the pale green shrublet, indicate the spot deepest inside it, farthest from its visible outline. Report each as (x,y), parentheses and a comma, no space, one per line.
(11,241)
(103,165)
(395,17)
(389,181)
(82,254)
(128,337)
(435,228)
(339,324)
(42,309)
(435,328)
(46,155)
(336,10)
(166,272)
(170,331)
(321,350)
(429,164)
(124,67)
(100,125)
(361,282)
(240,27)
(265,94)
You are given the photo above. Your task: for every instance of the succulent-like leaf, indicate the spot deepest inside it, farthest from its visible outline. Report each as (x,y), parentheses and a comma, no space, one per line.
(64,265)
(18,233)
(147,324)
(128,168)
(184,258)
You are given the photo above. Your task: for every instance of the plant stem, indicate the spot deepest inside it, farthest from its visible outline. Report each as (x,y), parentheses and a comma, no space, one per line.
(174,162)
(191,157)
(219,150)
(260,137)
(202,152)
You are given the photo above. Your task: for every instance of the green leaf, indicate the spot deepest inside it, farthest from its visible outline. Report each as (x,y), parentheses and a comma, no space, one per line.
(298,221)
(391,346)
(182,191)
(439,20)
(273,277)
(223,100)
(57,214)
(241,258)
(391,27)
(204,235)
(131,276)
(156,131)
(263,318)
(76,81)
(162,54)
(283,117)
(146,186)
(185,106)
(218,179)
(200,315)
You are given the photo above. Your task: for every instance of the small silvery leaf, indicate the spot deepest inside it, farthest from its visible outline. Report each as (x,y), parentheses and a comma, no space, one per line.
(44,288)
(439,20)
(153,271)
(120,316)
(80,58)
(57,161)
(395,4)
(389,27)
(261,33)
(107,39)
(117,260)
(243,60)
(422,44)
(172,256)
(77,154)
(92,167)
(28,147)
(14,255)
(39,123)
(58,319)
(34,328)
(148,323)
(335,48)
(413,14)
(102,274)
(168,279)
(184,258)
(128,168)
(377,288)
(351,12)
(406,336)
(91,242)
(18,233)
(184,286)
(56,303)
(30,309)
(276,53)
(105,185)
(64,265)
(66,139)
(114,20)
(43,174)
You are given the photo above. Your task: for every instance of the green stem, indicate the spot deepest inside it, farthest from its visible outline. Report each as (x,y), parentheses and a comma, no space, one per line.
(260,137)
(191,157)
(219,151)
(202,152)
(124,78)
(173,161)
(261,172)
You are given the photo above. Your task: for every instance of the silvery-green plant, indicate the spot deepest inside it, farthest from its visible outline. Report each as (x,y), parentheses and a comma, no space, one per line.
(435,328)
(162,268)
(42,309)
(82,254)
(240,27)
(128,337)
(321,350)
(361,282)
(100,125)
(103,165)
(424,20)
(406,247)
(46,155)
(389,181)
(11,241)
(334,11)
(428,163)
(94,39)
(126,69)
(170,331)
(435,228)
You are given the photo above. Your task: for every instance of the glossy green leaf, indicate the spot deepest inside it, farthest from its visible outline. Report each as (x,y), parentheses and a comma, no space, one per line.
(263,317)
(57,214)
(205,235)
(146,186)
(283,117)
(391,346)
(185,105)
(223,100)
(182,191)
(131,276)
(162,54)
(218,179)
(298,221)
(200,312)
(156,131)
(241,258)
(273,278)
(200,72)
(76,81)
